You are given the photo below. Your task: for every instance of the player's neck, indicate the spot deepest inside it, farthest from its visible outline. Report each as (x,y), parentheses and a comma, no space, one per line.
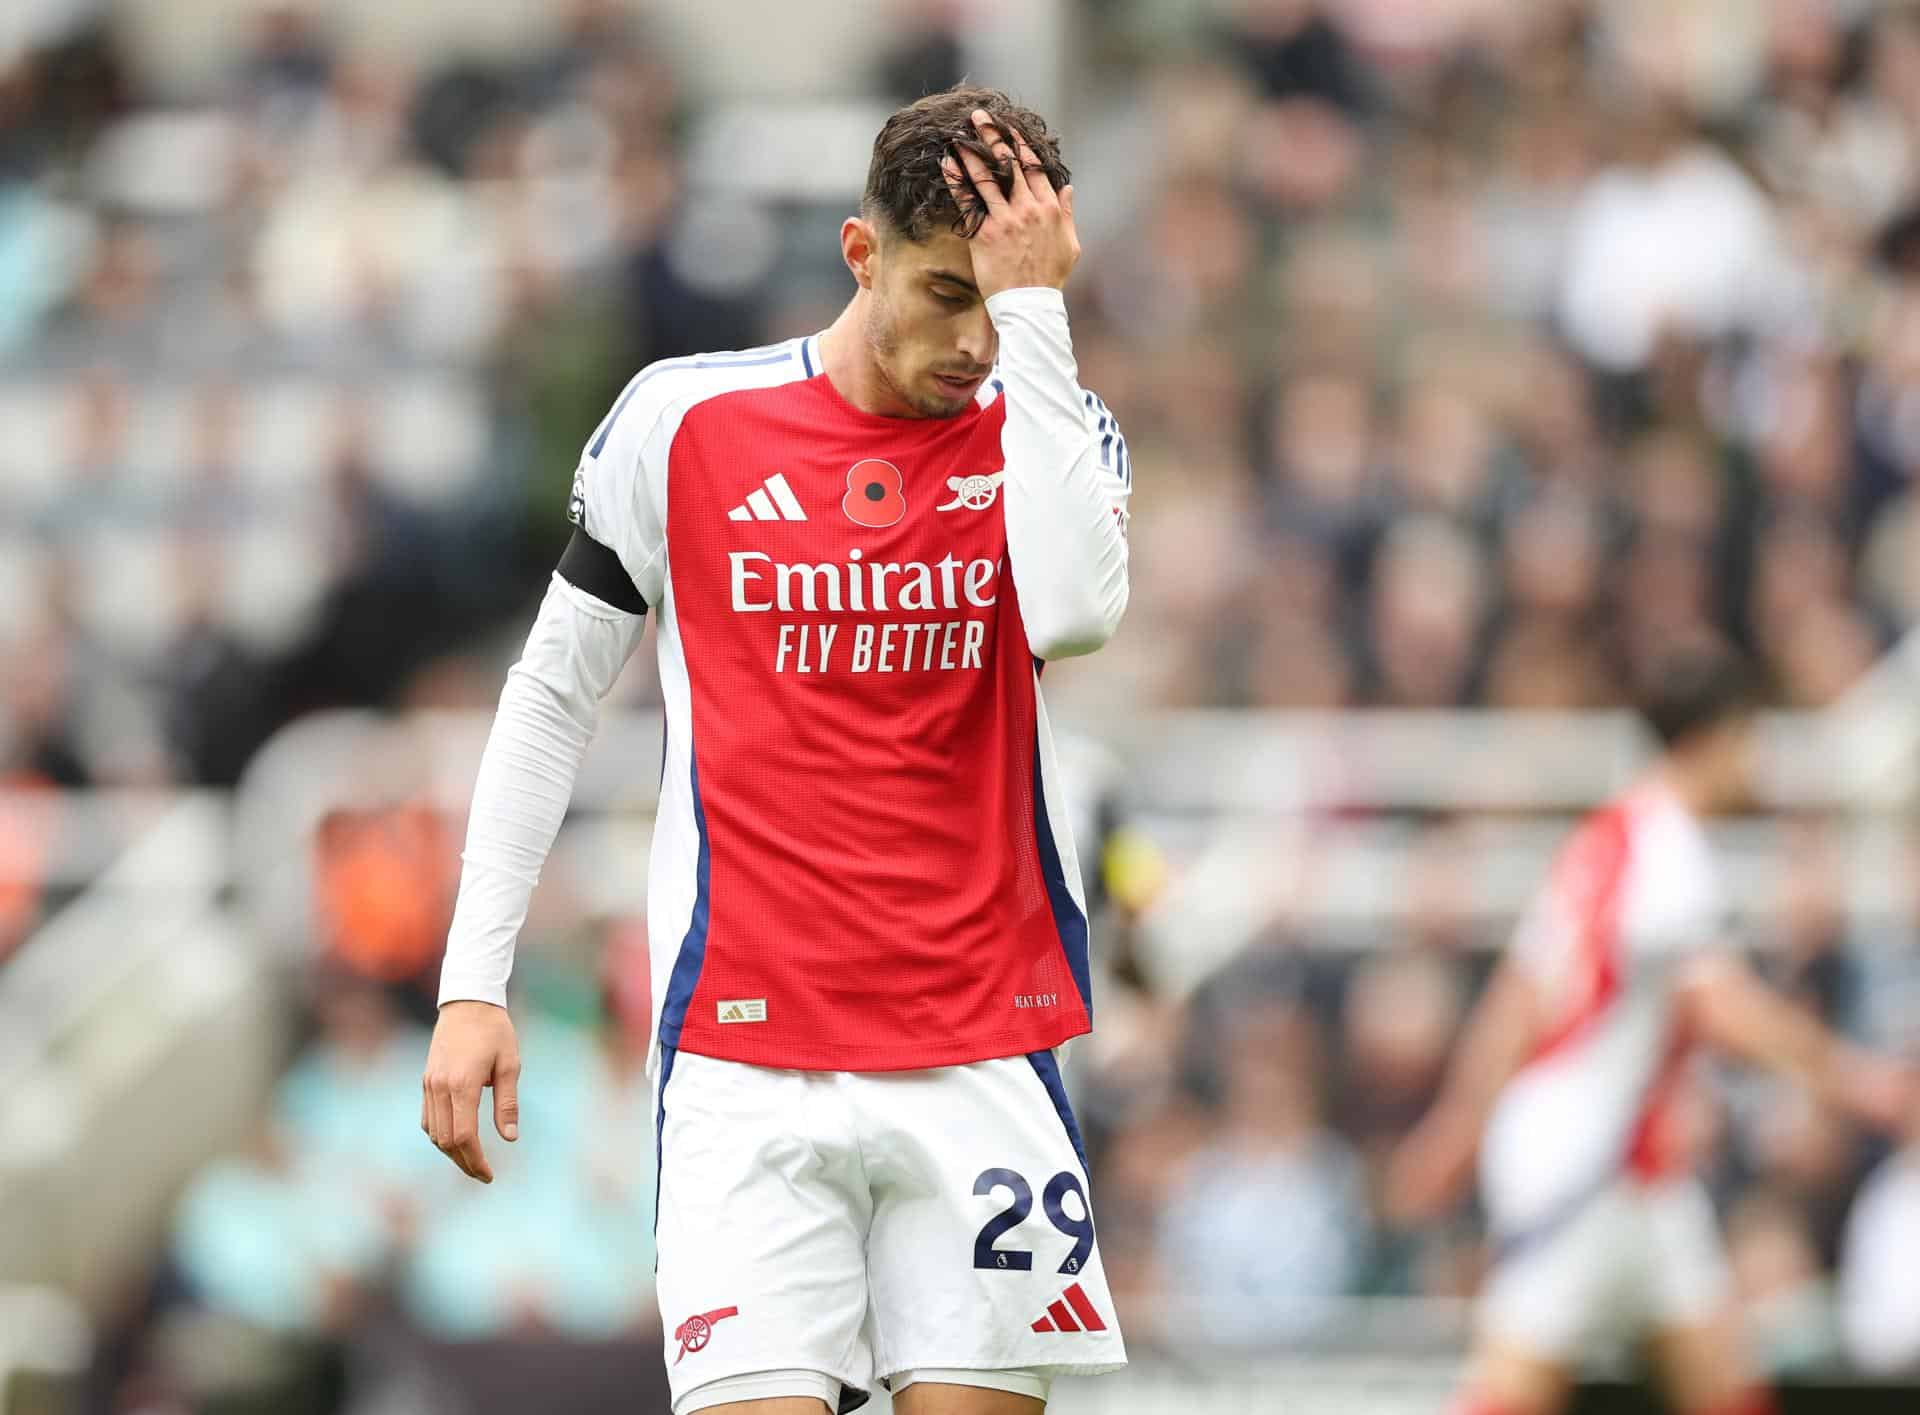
(1684,784)
(849,365)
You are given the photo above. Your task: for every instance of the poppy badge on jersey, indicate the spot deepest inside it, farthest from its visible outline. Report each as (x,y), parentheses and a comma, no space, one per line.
(876,496)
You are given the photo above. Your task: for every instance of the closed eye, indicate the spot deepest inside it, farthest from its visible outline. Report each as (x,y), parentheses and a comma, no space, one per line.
(952,301)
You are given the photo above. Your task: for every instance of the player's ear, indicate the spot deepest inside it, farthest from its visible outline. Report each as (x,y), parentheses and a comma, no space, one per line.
(859,244)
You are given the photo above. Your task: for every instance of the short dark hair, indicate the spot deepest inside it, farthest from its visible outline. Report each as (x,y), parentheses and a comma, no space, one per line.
(1692,690)
(907,192)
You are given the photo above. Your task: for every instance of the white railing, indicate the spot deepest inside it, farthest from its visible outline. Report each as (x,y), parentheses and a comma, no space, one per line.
(138,1031)
(1314,816)
(168,876)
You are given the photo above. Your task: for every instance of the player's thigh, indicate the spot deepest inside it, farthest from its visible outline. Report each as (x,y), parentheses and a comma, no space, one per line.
(941,1398)
(761,1237)
(783,1405)
(1557,1290)
(983,1254)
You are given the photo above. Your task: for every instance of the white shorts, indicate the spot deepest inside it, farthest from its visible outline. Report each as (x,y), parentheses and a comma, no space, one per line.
(819,1229)
(1634,1257)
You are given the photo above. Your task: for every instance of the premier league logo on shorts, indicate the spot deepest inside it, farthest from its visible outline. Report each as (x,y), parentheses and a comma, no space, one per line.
(695,1332)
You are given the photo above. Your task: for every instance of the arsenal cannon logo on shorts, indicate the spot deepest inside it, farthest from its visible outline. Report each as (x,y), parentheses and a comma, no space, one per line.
(695,1332)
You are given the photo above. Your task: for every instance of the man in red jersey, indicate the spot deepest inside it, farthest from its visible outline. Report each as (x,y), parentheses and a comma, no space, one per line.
(1570,1077)
(867,931)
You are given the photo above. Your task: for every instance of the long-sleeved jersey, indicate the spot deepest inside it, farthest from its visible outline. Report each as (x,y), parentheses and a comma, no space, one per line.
(861,860)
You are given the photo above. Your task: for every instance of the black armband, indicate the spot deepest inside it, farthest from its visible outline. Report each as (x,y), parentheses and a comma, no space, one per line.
(588,565)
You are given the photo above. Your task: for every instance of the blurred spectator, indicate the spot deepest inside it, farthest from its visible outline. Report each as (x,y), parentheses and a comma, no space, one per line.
(1888,953)
(928,51)
(276,1242)
(1816,968)
(1400,1016)
(1268,1217)
(1427,602)
(385,881)
(1293,51)
(1785,1305)
(1674,234)
(1815,1159)
(293,1236)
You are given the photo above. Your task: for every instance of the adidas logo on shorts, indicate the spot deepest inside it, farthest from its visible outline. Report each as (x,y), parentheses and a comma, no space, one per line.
(1071,1311)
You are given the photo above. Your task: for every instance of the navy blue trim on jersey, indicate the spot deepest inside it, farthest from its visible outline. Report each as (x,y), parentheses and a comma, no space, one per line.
(667,1055)
(806,360)
(1068,921)
(1047,1066)
(746,358)
(693,946)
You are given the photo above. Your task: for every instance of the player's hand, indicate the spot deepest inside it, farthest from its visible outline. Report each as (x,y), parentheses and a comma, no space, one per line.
(1027,237)
(1429,1170)
(473,1047)
(1882,1093)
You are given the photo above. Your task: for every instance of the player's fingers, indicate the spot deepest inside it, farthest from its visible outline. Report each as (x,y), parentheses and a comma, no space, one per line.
(439,1113)
(506,1100)
(470,1157)
(1031,174)
(464,1143)
(965,199)
(1003,156)
(1066,200)
(985,185)
(440,1123)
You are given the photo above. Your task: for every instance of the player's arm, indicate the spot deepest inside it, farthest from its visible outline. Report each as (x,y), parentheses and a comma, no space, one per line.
(1732,1009)
(588,625)
(1432,1166)
(1067,479)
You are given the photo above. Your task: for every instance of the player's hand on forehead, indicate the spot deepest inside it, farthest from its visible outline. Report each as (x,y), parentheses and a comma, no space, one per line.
(1013,158)
(1027,236)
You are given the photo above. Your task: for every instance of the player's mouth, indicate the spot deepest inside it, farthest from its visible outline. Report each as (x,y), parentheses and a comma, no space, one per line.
(959,385)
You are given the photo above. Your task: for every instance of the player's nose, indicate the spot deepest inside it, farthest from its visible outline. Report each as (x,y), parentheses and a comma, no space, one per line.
(977,338)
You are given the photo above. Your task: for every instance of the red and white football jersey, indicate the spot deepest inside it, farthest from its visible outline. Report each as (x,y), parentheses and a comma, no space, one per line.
(861,860)
(1630,897)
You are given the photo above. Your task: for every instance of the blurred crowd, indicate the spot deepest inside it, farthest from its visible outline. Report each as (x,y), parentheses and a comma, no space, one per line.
(1472,352)
(1483,348)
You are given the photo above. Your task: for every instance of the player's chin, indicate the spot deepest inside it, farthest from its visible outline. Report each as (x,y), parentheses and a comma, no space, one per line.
(948,396)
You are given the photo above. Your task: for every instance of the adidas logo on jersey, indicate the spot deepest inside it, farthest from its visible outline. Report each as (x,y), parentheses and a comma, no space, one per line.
(1070,1305)
(772,500)
(743,1009)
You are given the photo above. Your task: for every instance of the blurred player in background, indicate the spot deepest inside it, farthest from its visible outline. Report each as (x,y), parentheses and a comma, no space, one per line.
(1569,1076)
(867,925)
